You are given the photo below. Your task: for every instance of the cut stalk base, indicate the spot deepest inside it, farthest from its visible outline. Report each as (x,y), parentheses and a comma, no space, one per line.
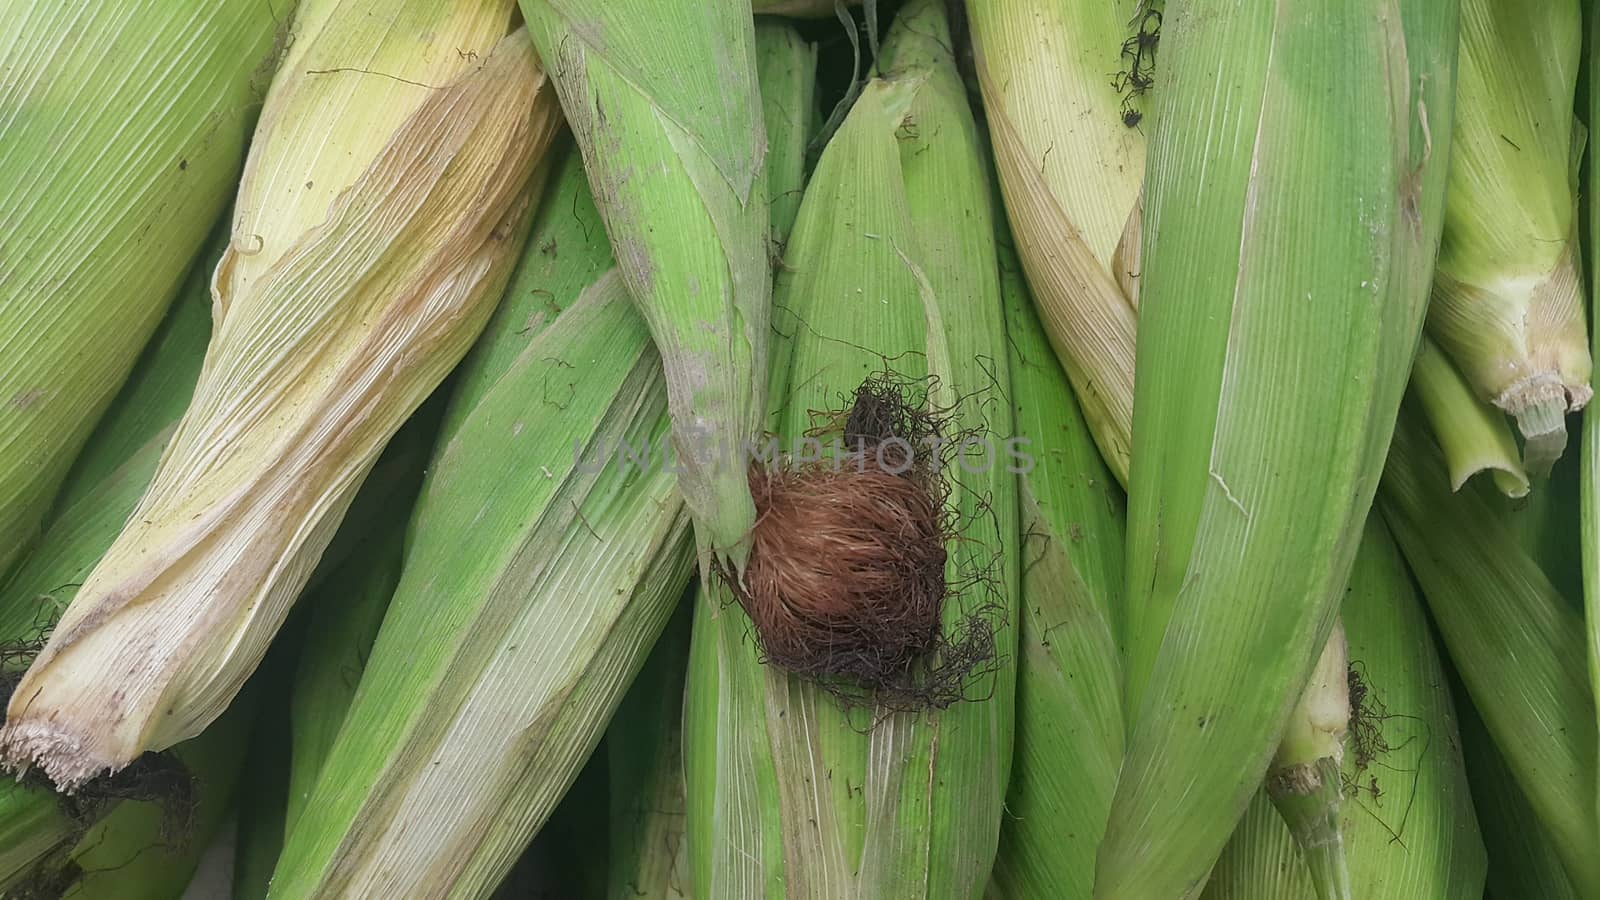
(1309,797)
(1540,405)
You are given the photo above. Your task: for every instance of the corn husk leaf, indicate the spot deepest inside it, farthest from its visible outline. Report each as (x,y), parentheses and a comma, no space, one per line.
(124,126)
(663,101)
(1522,857)
(1508,300)
(891,265)
(648,858)
(491,703)
(649,848)
(1516,642)
(343,622)
(312,366)
(1407,816)
(1589,463)
(1235,566)
(1069,674)
(101,490)
(1071,172)
(1472,433)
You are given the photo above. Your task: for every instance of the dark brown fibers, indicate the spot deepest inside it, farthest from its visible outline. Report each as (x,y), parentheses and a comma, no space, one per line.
(847,579)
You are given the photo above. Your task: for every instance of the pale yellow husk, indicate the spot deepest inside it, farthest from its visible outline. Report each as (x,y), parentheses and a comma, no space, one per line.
(362,266)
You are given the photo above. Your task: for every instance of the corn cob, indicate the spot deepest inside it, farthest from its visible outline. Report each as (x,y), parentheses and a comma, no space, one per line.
(1508,300)
(1471,432)
(1071,169)
(102,488)
(891,265)
(1516,642)
(1226,612)
(1069,674)
(1044,91)
(124,124)
(1408,820)
(452,716)
(666,112)
(1522,859)
(334,323)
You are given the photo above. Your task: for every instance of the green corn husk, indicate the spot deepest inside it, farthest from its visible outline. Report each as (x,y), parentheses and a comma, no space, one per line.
(334,322)
(1508,298)
(1071,172)
(105,482)
(1407,817)
(787,67)
(1235,568)
(649,846)
(1516,642)
(1039,82)
(101,490)
(803,9)
(1542,523)
(1522,858)
(567,252)
(490,702)
(498,664)
(1069,669)
(32,827)
(313,665)
(264,794)
(1589,462)
(124,127)
(1472,433)
(343,623)
(644,750)
(662,97)
(892,257)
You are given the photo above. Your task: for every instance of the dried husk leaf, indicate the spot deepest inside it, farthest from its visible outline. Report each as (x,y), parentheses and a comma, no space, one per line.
(309,372)
(1070,173)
